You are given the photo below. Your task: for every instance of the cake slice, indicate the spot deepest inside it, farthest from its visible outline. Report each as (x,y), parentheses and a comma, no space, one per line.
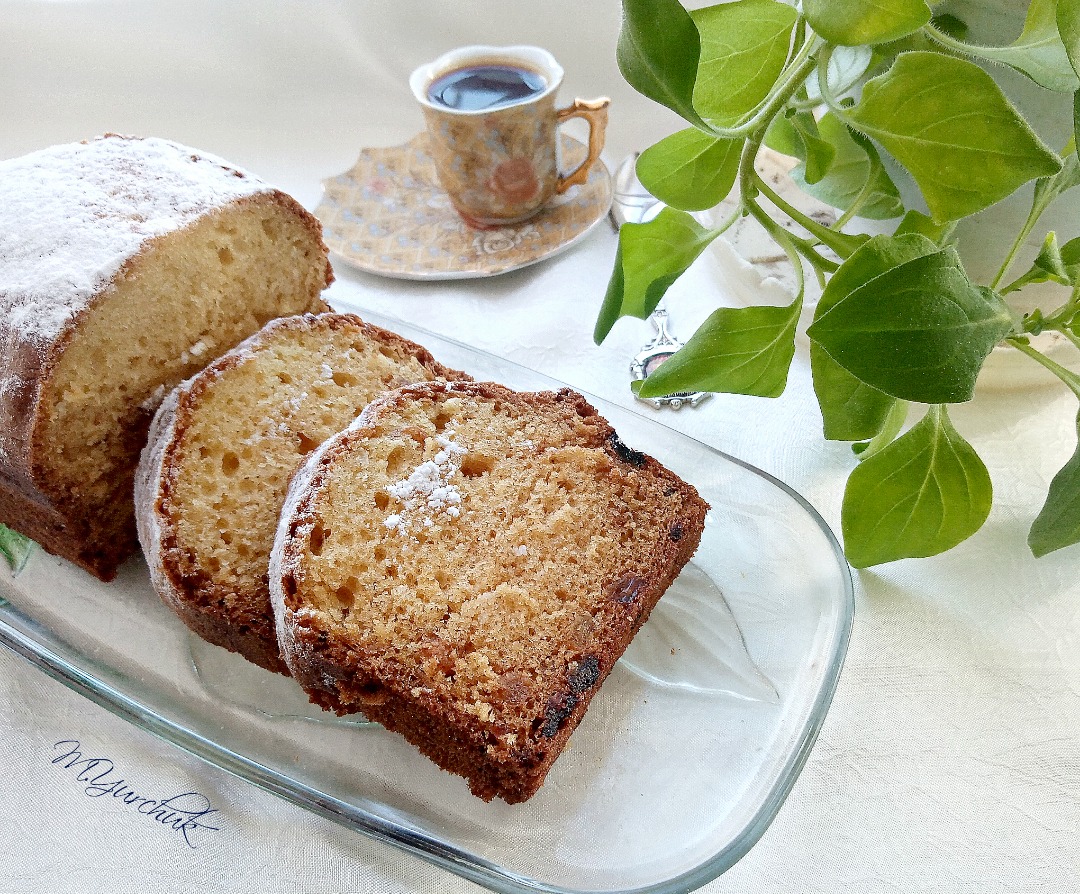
(223,446)
(464,564)
(125,265)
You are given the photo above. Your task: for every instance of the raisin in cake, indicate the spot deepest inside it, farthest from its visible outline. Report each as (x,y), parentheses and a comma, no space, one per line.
(125,265)
(465,563)
(222,448)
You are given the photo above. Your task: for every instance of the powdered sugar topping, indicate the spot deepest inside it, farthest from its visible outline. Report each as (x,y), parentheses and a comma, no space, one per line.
(72,215)
(428,490)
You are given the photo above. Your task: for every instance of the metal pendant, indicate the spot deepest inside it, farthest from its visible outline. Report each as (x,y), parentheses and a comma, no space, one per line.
(652,355)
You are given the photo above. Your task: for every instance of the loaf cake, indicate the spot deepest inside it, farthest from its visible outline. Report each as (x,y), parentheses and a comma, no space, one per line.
(222,448)
(125,266)
(465,563)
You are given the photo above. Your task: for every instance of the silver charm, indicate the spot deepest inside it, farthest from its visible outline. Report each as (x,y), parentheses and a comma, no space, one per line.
(656,352)
(633,203)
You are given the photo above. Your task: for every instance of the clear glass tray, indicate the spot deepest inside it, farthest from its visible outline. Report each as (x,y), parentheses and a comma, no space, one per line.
(684,758)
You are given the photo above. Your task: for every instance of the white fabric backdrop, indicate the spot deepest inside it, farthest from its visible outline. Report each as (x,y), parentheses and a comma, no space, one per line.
(949,761)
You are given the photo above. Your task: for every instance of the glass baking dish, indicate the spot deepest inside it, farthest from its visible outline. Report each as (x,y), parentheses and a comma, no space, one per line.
(684,758)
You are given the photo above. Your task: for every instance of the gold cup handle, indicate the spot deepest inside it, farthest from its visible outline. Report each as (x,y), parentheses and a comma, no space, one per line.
(595,111)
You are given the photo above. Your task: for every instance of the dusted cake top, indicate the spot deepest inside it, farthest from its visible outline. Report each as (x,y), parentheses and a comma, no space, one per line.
(72,215)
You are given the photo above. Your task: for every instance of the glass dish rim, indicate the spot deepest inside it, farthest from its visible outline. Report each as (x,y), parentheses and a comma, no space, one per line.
(474,868)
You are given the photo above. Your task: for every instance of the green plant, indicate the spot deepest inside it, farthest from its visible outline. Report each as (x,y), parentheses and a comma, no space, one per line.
(14,547)
(899,322)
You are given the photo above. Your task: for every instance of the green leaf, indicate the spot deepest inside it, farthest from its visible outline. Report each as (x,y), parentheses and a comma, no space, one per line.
(796,134)
(847,175)
(865,21)
(1070,258)
(915,222)
(1058,522)
(15,547)
(611,309)
(743,350)
(1068,26)
(782,137)
(921,495)
(1049,263)
(816,154)
(1038,52)
(920,330)
(658,52)
(950,125)
(744,46)
(950,25)
(851,410)
(894,424)
(650,257)
(689,169)
(878,256)
(1052,264)
(846,67)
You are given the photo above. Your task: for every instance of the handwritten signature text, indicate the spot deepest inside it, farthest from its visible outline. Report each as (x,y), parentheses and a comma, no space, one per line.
(186,813)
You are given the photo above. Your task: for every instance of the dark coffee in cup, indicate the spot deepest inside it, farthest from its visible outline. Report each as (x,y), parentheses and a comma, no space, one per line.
(474,88)
(492,130)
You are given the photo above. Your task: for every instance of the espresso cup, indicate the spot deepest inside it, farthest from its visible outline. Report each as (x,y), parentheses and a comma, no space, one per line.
(492,127)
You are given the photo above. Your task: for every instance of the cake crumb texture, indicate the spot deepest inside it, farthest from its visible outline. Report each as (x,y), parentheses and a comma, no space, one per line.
(213,478)
(126,264)
(481,633)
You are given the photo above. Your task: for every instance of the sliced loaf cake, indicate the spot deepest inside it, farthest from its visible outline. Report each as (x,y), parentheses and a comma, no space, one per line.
(125,265)
(214,474)
(465,564)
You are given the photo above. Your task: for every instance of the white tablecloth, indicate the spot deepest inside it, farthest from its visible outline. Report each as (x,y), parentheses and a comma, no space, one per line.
(949,760)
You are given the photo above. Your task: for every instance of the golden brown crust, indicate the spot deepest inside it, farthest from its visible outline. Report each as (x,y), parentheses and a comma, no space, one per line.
(184,587)
(73,538)
(238,619)
(341,674)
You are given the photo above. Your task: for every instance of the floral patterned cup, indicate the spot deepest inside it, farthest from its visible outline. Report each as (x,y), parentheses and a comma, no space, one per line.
(501,165)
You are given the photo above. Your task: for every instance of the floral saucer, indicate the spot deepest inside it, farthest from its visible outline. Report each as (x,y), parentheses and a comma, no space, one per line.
(388,215)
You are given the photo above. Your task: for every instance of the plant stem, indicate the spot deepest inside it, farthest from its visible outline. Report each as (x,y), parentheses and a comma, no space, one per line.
(798,70)
(1046,190)
(769,109)
(784,238)
(832,100)
(727,223)
(862,196)
(797,73)
(750,184)
(788,243)
(1071,379)
(1060,320)
(824,88)
(951,42)
(841,243)
(1033,216)
(1017,283)
(748,181)
(801,32)
(889,430)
